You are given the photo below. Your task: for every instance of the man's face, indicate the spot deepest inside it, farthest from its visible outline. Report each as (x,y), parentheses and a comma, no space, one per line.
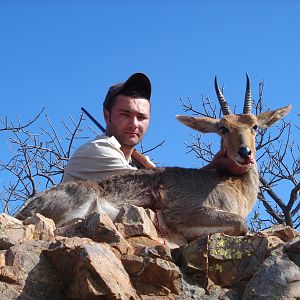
(128,120)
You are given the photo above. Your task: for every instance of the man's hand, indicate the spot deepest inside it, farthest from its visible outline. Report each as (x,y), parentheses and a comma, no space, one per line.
(224,164)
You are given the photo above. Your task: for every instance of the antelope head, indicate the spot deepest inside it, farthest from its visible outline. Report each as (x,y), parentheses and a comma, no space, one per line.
(237,131)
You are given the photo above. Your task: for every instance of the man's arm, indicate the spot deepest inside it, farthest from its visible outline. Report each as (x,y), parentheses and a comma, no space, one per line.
(96,160)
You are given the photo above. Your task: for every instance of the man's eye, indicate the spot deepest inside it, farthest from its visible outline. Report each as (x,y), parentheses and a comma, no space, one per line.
(142,117)
(223,129)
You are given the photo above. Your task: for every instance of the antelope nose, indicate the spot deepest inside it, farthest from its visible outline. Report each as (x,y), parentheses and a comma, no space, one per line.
(245,152)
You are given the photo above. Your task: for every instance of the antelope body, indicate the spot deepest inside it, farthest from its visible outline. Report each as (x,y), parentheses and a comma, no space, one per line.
(193,202)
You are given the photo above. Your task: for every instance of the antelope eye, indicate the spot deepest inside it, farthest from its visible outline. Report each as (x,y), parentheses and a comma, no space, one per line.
(223,129)
(255,127)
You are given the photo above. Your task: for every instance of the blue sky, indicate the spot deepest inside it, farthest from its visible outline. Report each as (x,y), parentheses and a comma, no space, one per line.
(65,54)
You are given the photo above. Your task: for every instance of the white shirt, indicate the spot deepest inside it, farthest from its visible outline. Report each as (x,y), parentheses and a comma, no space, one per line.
(96,160)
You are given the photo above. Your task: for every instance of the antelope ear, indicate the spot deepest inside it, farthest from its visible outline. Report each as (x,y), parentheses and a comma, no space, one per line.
(268,118)
(202,124)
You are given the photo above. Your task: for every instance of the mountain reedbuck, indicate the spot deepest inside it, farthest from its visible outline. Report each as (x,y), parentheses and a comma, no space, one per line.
(193,202)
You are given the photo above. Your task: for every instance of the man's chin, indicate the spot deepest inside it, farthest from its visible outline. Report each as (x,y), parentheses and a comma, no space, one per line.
(130,142)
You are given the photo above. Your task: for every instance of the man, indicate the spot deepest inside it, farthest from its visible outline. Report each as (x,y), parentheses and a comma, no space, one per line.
(126,110)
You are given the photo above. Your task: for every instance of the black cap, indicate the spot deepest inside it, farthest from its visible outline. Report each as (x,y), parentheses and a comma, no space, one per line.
(138,81)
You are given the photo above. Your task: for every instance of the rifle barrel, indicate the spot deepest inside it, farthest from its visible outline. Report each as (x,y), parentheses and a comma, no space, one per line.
(93,119)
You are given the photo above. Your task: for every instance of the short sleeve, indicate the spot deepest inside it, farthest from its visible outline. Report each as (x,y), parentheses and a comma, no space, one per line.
(96,160)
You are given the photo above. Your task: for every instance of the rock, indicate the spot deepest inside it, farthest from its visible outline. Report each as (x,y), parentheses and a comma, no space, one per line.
(193,260)
(2,257)
(292,249)
(222,260)
(100,228)
(70,228)
(91,259)
(277,278)
(12,231)
(153,275)
(285,233)
(157,251)
(133,264)
(27,274)
(139,242)
(43,227)
(161,273)
(234,259)
(134,221)
(274,242)
(93,271)
(191,290)
(147,297)
(216,292)
(138,264)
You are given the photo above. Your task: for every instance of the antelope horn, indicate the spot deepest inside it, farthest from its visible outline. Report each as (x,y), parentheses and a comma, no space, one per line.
(248,99)
(224,106)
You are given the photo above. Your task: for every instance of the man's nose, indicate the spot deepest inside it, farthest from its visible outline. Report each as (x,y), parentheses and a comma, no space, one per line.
(134,121)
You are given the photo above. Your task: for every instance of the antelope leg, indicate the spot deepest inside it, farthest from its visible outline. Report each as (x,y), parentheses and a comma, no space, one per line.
(205,221)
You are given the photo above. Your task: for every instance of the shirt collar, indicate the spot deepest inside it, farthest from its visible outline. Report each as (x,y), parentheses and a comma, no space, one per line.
(115,142)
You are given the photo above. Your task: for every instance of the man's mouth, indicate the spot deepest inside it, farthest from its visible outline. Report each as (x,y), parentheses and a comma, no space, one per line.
(131,133)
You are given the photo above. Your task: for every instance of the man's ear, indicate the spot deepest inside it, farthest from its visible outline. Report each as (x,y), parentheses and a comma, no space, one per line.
(268,118)
(202,124)
(106,116)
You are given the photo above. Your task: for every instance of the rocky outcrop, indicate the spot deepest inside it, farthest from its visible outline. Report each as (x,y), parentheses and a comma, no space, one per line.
(137,258)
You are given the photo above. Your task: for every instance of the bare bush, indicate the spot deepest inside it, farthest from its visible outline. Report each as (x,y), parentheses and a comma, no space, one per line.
(37,159)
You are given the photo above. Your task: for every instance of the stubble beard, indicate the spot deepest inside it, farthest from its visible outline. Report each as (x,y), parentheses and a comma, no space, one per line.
(122,137)
(125,140)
